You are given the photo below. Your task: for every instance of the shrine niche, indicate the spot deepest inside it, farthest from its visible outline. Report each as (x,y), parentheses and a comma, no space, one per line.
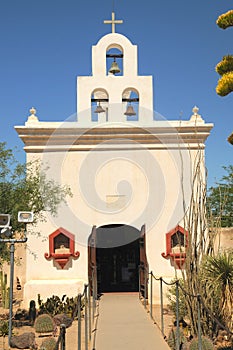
(61,247)
(176,245)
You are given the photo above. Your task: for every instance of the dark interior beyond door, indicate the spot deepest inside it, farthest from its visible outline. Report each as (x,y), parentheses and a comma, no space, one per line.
(117,258)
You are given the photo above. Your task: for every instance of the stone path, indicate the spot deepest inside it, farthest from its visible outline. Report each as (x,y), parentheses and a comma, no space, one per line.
(123,324)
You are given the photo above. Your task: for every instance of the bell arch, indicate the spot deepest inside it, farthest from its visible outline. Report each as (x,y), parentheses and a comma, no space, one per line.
(99,105)
(119,42)
(114,60)
(130,103)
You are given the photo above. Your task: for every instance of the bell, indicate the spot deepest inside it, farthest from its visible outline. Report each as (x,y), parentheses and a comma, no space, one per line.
(99,109)
(114,68)
(130,111)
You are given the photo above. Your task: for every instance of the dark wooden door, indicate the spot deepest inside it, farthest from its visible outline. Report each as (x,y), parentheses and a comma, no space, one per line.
(144,267)
(92,270)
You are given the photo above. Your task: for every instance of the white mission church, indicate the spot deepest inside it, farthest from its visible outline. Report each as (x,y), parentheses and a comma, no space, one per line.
(129,171)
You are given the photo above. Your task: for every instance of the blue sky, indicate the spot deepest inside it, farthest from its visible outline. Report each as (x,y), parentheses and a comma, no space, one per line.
(45,45)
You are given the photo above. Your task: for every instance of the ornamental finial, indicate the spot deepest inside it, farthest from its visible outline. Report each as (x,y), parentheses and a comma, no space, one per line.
(196,118)
(32,117)
(195,110)
(32,111)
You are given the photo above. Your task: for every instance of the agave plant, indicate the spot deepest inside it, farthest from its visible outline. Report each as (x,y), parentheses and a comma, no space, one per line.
(218,272)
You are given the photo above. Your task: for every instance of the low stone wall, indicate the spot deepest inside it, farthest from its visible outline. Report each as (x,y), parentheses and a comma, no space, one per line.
(225,238)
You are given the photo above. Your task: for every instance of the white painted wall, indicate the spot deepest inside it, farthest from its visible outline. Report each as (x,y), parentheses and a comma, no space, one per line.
(125,176)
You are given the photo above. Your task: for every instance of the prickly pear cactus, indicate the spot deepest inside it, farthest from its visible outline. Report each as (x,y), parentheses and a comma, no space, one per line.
(206,344)
(44,324)
(48,344)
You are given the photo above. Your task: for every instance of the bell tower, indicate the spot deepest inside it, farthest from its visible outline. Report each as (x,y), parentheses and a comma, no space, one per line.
(116,90)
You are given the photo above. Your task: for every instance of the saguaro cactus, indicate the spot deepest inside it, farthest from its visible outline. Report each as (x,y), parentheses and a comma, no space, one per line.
(4,290)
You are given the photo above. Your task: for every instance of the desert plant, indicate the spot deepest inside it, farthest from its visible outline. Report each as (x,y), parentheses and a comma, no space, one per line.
(225,20)
(172,337)
(4,328)
(4,290)
(205,342)
(55,305)
(218,272)
(32,311)
(171,295)
(226,65)
(48,344)
(44,324)
(225,84)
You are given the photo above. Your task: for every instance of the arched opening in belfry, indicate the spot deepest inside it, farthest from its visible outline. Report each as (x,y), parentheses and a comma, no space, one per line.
(99,105)
(130,104)
(114,60)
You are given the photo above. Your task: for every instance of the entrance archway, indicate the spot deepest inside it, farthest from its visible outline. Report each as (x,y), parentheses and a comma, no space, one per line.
(115,253)
(117,258)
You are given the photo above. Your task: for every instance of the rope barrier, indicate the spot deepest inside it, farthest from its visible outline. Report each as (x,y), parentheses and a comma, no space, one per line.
(198,297)
(86,294)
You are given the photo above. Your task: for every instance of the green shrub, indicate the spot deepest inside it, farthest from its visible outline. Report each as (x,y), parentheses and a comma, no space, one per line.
(206,344)
(4,328)
(44,324)
(55,305)
(171,295)
(48,344)
(171,340)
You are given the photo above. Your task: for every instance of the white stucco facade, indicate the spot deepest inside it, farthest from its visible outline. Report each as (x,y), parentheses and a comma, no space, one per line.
(120,172)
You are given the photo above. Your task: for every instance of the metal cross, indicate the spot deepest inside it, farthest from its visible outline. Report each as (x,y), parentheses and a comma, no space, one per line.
(113,22)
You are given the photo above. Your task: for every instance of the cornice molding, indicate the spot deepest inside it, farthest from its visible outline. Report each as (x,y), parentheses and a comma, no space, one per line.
(67,137)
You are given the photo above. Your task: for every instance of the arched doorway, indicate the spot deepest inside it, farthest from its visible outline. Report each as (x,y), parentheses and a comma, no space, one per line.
(117,250)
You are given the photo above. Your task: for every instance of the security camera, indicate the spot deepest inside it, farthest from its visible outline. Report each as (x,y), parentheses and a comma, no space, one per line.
(4,220)
(6,231)
(25,216)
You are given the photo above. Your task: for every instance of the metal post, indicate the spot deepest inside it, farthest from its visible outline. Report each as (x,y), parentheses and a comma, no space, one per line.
(161,305)
(79,322)
(145,287)
(199,322)
(86,317)
(151,294)
(139,284)
(89,309)
(93,295)
(63,336)
(96,287)
(12,250)
(177,317)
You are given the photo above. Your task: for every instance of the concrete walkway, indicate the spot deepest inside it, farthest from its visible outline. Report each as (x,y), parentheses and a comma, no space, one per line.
(124,324)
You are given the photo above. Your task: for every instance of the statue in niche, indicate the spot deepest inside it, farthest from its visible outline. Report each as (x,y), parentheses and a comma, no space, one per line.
(61,244)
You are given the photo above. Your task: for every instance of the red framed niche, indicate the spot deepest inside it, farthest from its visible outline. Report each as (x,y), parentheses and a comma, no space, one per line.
(176,246)
(61,247)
